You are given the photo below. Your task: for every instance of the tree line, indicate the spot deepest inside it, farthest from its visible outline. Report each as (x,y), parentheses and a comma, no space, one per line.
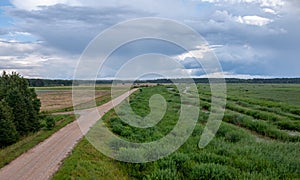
(19,108)
(60,82)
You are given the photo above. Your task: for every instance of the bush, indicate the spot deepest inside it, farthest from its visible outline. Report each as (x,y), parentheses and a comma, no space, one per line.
(163,174)
(223,129)
(50,122)
(116,125)
(212,171)
(289,125)
(180,159)
(131,155)
(210,158)
(234,136)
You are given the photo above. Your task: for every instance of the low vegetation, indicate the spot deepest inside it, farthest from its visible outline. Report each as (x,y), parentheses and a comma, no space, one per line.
(246,146)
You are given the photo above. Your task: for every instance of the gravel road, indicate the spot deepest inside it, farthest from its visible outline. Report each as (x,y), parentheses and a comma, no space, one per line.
(42,161)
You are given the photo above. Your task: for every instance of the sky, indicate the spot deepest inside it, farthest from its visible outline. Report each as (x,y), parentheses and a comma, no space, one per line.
(250,38)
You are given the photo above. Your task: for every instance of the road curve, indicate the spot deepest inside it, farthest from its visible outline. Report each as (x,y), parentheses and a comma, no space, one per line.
(42,161)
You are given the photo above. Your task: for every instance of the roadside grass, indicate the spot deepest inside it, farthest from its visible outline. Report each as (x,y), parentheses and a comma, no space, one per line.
(11,152)
(86,162)
(234,153)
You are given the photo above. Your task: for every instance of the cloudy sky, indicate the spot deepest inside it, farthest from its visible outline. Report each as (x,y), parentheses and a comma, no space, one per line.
(251,38)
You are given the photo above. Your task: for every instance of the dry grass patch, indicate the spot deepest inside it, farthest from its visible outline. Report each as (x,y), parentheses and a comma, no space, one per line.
(59,99)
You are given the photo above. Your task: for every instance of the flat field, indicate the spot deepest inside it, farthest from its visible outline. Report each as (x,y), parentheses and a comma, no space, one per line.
(59,99)
(259,138)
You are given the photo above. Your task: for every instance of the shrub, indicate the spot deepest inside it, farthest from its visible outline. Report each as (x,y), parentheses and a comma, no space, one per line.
(210,158)
(295,111)
(212,171)
(117,144)
(50,122)
(180,159)
(289,125)
(131,154)
(234,136)
(163,174)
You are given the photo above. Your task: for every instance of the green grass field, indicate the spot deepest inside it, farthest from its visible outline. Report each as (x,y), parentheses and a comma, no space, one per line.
(258,139)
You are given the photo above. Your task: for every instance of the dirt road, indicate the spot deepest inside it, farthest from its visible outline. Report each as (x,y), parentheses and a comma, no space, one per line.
(42,161)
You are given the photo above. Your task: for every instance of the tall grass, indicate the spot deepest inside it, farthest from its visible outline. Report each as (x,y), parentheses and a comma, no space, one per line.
(235,153)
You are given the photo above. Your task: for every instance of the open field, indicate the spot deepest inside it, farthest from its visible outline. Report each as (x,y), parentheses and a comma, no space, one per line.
(258,139)
(58,99)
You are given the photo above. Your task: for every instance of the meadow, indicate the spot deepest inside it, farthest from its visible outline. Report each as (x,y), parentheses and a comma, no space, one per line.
(259,138)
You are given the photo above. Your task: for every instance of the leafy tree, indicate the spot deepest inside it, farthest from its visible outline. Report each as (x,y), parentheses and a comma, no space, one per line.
(8,132)
(22,101)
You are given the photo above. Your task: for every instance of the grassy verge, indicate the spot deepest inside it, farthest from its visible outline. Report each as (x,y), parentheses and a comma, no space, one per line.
(11,152)
(88,163)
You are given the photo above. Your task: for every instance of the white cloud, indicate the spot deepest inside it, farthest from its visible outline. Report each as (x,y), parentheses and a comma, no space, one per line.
(262,3)
(253,20)
(154,6)
(34,4)
(271,3)
(244,54)
(225,17)
(35,60)
(199,52)
(234,75)
(21,33)
(268,10)
(14,47)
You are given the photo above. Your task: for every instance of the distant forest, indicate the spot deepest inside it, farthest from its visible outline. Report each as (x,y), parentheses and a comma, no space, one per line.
(48,82)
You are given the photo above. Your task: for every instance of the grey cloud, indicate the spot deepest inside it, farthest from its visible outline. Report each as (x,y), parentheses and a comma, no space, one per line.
(66,30)
(70,28)
(3,31)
